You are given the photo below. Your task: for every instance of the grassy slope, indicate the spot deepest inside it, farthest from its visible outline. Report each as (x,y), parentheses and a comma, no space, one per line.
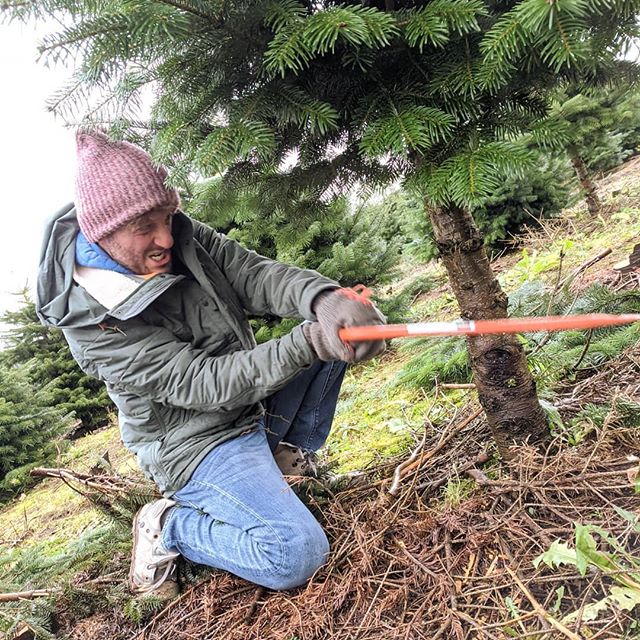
(52,511)
(376,417)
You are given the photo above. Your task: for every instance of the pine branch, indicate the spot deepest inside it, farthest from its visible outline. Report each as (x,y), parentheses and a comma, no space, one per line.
(65,95)
(81,36)
(16,5)
(217,21)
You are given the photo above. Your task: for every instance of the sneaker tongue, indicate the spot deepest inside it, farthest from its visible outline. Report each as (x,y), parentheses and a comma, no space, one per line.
(162,554)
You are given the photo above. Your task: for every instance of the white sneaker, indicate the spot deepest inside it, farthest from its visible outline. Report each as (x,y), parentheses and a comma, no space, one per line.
(152,566)
(294,461)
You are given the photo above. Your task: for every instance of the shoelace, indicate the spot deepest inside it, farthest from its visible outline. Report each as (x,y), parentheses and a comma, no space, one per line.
(156,565)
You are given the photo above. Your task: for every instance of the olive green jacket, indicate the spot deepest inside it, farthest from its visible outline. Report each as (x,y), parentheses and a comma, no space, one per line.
(176,352)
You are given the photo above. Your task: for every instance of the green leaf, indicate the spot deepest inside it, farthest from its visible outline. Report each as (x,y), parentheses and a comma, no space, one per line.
(626,598)
(553,415)
(589,613)
(587,552)
(396,425)
(558,602)
(633,518)
(585,548)
(512,608)
(558,553)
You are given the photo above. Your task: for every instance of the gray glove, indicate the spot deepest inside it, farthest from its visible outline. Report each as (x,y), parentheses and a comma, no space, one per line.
(340,308)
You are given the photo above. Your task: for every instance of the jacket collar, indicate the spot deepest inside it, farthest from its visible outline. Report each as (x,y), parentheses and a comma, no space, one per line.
(109,288)
(61,303)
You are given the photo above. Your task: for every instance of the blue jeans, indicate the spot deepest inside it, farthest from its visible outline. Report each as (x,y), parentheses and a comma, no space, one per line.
(237,512)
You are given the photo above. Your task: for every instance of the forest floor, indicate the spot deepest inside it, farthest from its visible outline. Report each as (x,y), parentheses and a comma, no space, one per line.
(441,538)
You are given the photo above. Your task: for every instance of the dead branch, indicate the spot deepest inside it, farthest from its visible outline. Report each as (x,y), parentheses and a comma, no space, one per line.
(466,467)
(540,609)
(28,595)
(103,483)
(457,385)
(404,469)
(583,267)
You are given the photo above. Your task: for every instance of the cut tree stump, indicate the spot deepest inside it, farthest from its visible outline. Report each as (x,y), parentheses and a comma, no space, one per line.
(631,263)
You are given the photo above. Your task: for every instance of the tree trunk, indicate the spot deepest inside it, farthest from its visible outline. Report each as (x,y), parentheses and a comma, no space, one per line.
(505,386)
(590,191)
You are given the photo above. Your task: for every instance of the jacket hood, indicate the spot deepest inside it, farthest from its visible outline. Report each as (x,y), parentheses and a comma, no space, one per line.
(61,303)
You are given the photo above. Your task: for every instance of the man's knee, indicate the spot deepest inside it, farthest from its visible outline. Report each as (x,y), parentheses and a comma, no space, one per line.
(303,554)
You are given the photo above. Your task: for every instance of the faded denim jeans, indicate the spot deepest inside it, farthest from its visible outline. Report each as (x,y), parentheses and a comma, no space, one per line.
(237,512)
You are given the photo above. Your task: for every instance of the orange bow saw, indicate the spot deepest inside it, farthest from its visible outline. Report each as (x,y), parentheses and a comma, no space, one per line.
(480,327)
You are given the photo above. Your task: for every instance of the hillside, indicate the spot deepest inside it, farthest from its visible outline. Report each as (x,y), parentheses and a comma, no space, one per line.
(450,554)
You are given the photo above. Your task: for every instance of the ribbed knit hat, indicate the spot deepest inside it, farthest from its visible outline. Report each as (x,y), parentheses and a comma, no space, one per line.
(116,182)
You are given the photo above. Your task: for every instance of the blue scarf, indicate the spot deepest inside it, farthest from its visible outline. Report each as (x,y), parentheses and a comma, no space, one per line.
(91,254)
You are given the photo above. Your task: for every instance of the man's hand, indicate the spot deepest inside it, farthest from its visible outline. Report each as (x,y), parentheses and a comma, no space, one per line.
(340,308)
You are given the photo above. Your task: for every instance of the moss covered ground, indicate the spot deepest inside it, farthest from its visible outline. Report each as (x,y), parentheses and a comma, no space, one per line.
(383,404)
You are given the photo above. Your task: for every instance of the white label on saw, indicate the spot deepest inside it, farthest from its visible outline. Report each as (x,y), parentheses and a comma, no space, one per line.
(440,327)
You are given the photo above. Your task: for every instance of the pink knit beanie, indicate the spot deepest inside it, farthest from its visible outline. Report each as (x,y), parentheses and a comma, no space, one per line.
(115,183)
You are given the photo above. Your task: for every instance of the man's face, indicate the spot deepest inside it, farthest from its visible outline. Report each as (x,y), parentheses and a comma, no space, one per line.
(143,245)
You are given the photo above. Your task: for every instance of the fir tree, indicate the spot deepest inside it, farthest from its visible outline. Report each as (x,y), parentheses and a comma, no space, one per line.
(431,91)
(521,200)
(30,429)
(43,354)
(342,243)
(597,124)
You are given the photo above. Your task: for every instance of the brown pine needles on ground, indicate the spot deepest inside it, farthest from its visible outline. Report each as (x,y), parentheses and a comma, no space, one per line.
(403,569)
(420,566)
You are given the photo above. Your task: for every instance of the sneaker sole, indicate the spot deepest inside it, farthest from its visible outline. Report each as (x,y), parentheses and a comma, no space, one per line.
(134,531)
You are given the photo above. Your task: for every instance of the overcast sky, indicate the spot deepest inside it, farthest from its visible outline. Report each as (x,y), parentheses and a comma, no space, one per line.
(37,157)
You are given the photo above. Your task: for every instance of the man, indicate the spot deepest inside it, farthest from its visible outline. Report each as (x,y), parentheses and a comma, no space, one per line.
(155,305)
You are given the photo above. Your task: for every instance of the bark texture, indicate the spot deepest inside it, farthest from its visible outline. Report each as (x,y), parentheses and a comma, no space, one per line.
(505,386)
(587,184)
